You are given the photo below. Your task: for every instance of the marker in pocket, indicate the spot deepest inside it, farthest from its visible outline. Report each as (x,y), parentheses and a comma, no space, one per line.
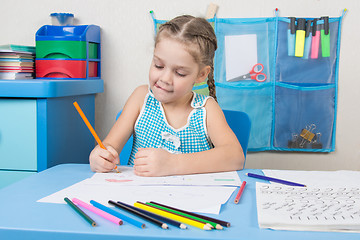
(291,37)
(308,37)
(315,40)
(300,37)
(325,38)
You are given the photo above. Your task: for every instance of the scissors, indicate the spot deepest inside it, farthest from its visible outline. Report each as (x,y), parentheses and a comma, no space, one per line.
(255,74)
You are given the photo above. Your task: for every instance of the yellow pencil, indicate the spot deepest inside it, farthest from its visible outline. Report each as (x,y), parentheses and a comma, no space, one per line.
(86,121)
(173,216)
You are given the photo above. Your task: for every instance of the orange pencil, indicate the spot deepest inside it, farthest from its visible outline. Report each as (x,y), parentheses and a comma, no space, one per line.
(76,105)
(240,192)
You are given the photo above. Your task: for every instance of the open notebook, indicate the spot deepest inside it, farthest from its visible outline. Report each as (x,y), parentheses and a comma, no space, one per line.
(321,208)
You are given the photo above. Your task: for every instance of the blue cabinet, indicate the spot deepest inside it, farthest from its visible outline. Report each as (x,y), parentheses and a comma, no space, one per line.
(40,128)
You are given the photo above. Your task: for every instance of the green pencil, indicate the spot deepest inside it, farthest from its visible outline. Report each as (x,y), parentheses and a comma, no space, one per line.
(80,212)
(215,225)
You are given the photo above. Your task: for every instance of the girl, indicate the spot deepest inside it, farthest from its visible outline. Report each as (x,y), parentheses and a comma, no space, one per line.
(176,131)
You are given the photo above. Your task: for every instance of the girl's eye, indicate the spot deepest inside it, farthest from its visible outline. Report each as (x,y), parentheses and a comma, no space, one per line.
(159,66)
(180,74)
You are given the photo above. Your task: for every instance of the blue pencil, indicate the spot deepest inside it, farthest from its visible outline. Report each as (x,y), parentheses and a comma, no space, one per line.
(275,180)
(117,214)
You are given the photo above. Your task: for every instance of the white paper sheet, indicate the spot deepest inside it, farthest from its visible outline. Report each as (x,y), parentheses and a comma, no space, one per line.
(240,54)
(126,177)
(328,208)
(177,191)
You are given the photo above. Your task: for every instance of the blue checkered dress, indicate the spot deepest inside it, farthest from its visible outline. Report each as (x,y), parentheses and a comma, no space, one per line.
(153,131)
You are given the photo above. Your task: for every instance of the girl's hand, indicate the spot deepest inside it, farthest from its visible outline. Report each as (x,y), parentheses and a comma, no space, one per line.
(153,162)
(103,160)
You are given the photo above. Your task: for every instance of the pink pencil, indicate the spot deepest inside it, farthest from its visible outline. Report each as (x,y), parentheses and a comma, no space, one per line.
(98,211)
(240,192)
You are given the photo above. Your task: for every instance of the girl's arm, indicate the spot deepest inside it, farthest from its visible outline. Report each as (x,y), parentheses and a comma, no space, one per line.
(227,154)
(124,126)
(104,160)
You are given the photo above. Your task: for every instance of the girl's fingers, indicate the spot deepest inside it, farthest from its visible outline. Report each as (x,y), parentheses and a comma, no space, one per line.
(105,161)
(104,166)
(140,153)
(107,155)
(140,170)
(115,155)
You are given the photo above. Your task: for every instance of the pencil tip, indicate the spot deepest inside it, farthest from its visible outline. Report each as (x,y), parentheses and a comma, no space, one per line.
(164,226)
(183,226)
(207,227)
(219,227)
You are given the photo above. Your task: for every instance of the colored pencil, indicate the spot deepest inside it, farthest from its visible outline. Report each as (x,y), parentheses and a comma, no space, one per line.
(275,180)
(221,222)
(117,214)
(238,196)
(161,218)
(212,224)
(98,211)
(173,216)
(80,212)
(86,121)
(127,207)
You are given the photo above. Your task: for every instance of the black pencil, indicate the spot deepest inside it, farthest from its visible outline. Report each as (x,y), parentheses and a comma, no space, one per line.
(221,222)
(134,210)
(161,218)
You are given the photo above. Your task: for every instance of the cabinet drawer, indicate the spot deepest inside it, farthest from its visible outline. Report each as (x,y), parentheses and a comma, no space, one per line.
(9,177)
(61,49)
(18,134)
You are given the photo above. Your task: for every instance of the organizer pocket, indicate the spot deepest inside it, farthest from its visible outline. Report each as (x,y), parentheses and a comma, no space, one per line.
(319,70)
(242,43)
(304,118)
(257,103)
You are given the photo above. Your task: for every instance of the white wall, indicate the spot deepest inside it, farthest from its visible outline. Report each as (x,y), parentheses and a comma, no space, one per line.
(127,41)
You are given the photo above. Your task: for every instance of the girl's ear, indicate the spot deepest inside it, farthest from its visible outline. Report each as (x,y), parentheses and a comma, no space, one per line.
(203,74)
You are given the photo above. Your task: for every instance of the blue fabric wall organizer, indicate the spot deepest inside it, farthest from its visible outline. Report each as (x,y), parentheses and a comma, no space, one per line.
(294,109)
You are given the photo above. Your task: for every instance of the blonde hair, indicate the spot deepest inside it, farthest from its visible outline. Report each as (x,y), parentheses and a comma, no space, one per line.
(199,36)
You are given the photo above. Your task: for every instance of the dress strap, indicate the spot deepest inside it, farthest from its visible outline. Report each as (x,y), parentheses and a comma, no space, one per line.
(199,100)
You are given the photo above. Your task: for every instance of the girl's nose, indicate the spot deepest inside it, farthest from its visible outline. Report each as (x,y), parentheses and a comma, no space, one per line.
(166,77)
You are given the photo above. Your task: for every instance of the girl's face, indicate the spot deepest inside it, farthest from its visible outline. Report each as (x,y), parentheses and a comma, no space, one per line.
(174,72)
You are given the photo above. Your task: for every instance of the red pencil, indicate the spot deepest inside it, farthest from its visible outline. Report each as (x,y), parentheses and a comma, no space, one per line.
(238,196)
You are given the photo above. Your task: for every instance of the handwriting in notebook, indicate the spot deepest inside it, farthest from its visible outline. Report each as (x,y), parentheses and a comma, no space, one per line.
(308,208)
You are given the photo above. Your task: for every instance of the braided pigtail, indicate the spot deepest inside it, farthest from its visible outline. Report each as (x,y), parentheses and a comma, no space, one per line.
(211,84)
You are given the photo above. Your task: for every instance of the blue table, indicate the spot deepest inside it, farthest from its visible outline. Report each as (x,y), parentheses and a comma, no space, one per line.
(21,217)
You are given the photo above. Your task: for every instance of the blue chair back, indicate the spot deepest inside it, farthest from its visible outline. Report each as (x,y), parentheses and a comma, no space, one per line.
(126,151)
(239,122)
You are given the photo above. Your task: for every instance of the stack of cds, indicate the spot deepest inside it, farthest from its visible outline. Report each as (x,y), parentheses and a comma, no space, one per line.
(17,62)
